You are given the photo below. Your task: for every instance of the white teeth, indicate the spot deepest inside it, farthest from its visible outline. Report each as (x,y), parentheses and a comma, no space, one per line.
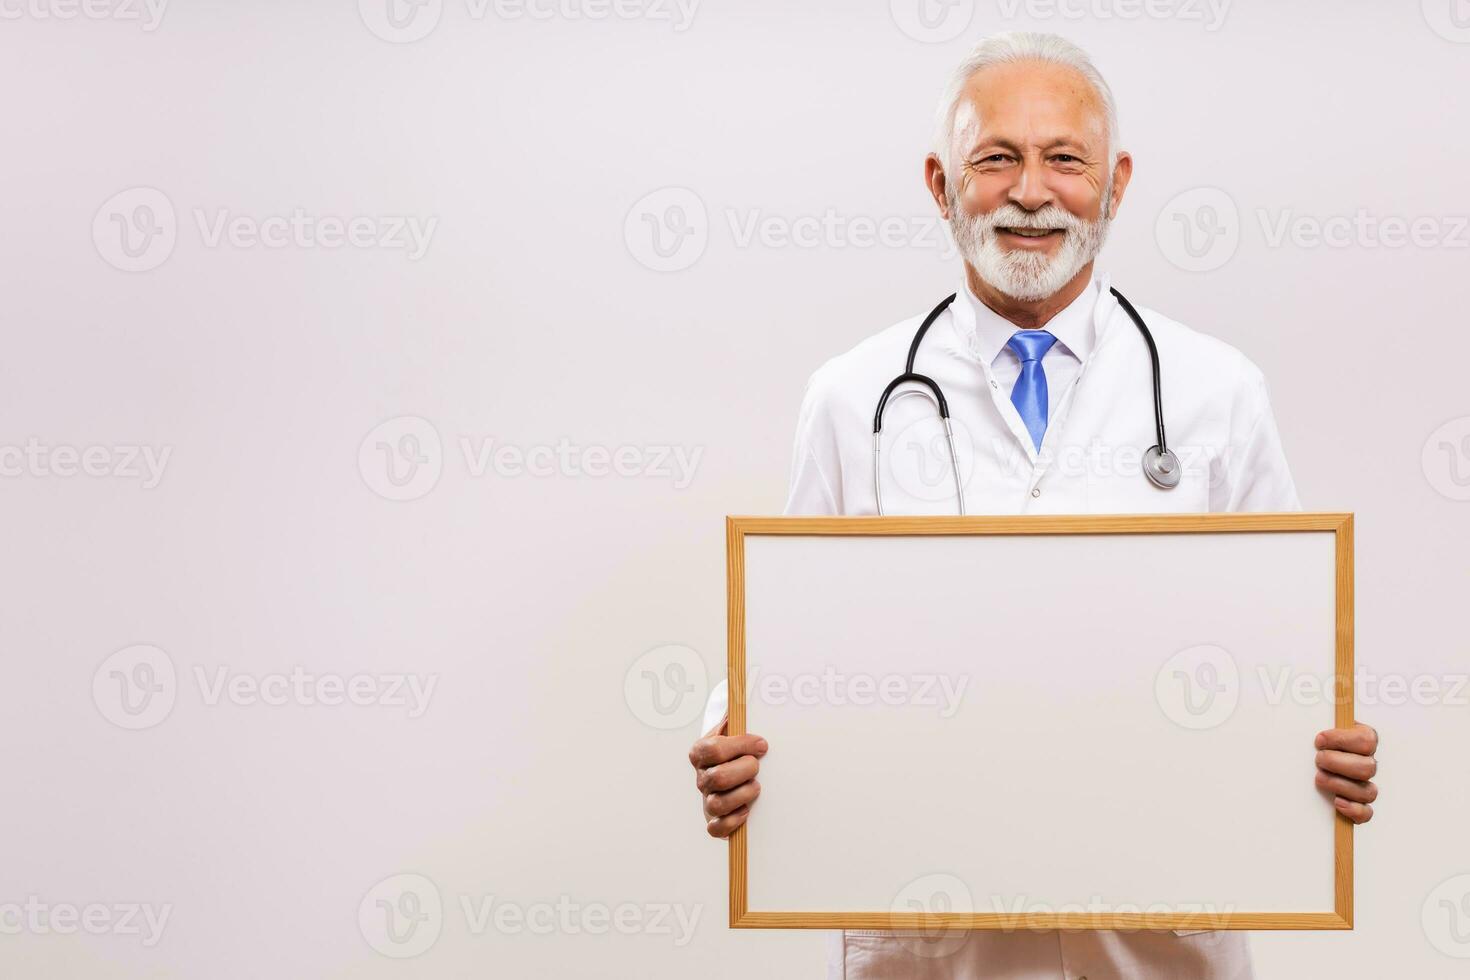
(1031,232)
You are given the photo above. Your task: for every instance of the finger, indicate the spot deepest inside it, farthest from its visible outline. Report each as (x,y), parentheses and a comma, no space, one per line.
(725,826)
(1347,764)
(715,749)
(728,775)
(1349,789)
(1356,812)
(719,804)
(1360,739)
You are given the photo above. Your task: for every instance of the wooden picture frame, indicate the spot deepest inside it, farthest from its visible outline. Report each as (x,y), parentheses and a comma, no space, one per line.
(1336,908)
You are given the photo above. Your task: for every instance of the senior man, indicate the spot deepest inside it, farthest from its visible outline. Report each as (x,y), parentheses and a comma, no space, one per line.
(1047,381)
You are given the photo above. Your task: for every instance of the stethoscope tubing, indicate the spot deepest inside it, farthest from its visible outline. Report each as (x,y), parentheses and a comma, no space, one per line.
(1160,465)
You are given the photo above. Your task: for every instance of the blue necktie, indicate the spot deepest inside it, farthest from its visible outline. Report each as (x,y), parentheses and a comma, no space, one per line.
(1029,394)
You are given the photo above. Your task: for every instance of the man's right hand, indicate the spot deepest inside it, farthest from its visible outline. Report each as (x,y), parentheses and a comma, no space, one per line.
(725,768)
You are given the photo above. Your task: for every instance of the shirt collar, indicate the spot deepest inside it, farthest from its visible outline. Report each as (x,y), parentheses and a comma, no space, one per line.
(986,331)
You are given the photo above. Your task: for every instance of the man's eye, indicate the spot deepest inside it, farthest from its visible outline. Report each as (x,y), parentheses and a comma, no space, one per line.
(1065,158)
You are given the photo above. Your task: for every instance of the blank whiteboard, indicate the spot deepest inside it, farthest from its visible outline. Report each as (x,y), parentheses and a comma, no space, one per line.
(1041,722)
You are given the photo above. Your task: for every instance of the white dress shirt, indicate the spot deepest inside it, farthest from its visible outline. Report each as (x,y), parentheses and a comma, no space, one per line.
(1100,419)
(1072,326)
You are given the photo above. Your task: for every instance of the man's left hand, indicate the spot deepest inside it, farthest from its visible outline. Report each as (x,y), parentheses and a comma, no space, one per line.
(1345,766)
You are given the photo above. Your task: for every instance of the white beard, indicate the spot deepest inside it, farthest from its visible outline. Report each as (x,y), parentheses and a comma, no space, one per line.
(1022,274)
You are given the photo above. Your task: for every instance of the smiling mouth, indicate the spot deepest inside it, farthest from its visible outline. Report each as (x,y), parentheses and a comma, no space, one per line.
(1032,232)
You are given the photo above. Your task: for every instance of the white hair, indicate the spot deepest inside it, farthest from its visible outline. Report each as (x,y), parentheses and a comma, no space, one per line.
(1008,48)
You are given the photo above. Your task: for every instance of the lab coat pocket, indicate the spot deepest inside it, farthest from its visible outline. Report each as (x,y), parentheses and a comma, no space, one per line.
(1117,484)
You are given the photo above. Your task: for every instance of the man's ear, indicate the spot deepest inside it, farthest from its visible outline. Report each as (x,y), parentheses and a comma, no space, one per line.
(1122,173)
(935,181)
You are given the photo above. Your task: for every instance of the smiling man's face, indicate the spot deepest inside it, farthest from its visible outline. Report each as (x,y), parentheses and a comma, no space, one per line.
(1030,181)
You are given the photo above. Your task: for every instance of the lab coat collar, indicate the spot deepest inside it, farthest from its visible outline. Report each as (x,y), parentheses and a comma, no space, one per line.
(1078,326)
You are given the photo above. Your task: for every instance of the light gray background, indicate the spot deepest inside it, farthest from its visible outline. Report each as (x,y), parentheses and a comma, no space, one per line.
(539,772)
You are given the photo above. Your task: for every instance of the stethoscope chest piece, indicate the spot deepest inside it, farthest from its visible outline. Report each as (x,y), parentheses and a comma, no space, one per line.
(1161,468)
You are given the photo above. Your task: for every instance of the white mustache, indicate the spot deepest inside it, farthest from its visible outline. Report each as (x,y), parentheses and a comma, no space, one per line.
(1047,219)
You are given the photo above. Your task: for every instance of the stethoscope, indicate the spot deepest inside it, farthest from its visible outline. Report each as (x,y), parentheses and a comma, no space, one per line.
(1160,464)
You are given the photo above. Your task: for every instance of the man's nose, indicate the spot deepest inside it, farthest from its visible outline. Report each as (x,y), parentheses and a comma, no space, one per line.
(1030,191)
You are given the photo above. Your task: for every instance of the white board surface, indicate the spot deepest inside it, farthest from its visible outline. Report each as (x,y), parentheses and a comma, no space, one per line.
(1009,723)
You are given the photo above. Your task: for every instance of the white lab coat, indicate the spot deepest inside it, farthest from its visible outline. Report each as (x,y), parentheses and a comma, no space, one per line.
(1219,422)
